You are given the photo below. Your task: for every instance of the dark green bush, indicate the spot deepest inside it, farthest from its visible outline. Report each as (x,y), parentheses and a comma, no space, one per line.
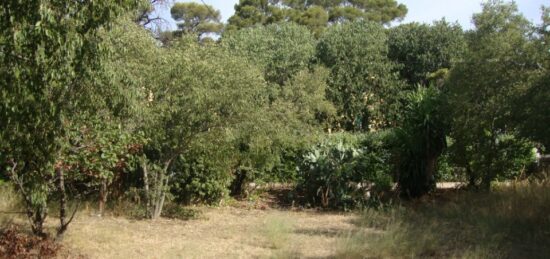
(343,170)
(199,180)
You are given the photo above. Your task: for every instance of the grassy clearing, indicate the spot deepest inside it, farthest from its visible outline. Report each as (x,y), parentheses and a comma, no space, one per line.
(510,222)
(223,232)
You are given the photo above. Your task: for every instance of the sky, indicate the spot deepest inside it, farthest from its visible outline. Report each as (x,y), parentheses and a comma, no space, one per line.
(425,11)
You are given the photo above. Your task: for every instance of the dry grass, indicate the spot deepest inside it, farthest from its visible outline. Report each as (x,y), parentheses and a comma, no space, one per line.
(510,222)
(220,233)
(9,205)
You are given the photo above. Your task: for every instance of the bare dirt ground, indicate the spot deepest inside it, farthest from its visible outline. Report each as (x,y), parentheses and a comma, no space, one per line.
(224,232)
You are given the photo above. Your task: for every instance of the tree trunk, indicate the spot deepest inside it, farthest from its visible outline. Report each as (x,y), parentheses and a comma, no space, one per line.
(431,167)
(103,192)
(35,214)
(161,187)
(62,203)
(146,187)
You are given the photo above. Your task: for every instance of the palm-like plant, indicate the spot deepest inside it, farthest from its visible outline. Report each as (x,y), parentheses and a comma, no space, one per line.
(421,141)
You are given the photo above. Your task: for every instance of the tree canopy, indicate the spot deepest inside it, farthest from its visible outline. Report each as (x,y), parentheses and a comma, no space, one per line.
(314,14)
(196,19)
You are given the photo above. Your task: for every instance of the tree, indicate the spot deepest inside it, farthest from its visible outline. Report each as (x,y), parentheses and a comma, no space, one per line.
(51,51)
(314,14)
(480,89)
(422,49)
(253,12)
(362,83)
(531,101)
(297,103)
(195,103)
(196,19)
(280,50)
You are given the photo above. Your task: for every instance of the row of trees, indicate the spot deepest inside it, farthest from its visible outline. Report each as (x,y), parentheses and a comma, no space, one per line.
(93,105)
(199,19)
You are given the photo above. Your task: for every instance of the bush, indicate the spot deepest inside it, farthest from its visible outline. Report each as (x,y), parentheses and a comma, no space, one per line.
(344,170)
(199,180)
(509,157)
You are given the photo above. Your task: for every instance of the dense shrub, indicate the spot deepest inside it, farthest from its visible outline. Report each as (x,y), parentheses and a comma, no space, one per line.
(203,174)
(342,169)
(508,157)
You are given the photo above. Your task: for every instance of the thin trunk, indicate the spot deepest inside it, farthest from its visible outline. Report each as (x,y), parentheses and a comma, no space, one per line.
(431,166)
(146,187)
(62,203)
(159,195)
(35,215)
(102,197)
(161,188)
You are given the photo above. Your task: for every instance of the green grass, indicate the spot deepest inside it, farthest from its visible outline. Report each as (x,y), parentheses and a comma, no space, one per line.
(509,222)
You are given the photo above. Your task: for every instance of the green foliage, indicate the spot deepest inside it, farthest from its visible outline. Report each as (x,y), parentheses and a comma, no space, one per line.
(362,82)
(280,50)
(497,65)
(339,171)
(422,49)
(196,18)
(98,151)
(297,102)
(314,14)
(202,176)
(50,51)
(532,100)
(249,13)
(420,141)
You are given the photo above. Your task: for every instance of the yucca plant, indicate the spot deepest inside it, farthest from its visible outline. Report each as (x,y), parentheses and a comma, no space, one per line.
(421,140)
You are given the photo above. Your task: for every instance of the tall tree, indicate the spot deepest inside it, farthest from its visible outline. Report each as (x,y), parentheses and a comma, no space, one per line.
(531,101)
(279,50)
(196,19)
(252,12)
(194,104)
(422,49)
(362,82)
(315,13)
(50,54)
(481,87)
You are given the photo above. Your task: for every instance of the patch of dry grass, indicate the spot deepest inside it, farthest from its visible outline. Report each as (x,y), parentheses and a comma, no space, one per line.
(509,222)
(219,233)
(9,205)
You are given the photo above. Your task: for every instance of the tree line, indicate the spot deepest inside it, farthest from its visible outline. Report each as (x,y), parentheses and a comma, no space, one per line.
(95,106)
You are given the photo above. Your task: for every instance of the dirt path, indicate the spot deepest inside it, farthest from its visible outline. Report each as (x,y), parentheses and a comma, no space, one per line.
(224,232)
